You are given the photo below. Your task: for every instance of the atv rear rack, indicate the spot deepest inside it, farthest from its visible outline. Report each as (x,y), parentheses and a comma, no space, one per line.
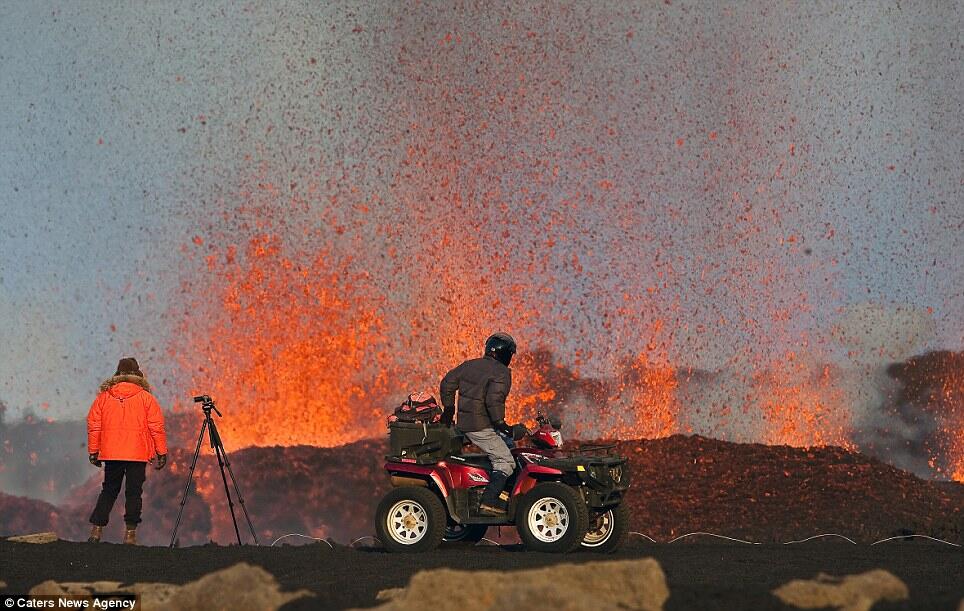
(422,454)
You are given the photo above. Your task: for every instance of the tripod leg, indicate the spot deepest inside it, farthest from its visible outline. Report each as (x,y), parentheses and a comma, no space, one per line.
(187,486)
(237,490)
(219,451)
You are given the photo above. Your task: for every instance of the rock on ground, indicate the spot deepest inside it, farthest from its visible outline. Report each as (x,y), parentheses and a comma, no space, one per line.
(47,537)
(389,594)
(241,586)
(623,584)
(850,593)
(153,595)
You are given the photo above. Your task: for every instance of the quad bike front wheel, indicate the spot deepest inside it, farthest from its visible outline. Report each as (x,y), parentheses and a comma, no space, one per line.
(463,534)
(606,530)
(552,517)
(410,519)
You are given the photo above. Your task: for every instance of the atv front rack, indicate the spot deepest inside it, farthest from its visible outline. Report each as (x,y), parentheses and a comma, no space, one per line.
(605,448)
(605,479)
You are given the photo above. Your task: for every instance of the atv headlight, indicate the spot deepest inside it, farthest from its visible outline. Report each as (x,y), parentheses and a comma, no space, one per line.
(556,437)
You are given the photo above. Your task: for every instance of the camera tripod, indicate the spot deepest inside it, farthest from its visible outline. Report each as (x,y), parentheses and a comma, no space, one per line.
(207,406)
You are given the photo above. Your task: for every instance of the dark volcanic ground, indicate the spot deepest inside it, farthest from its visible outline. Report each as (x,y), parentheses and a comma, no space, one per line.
(700,575)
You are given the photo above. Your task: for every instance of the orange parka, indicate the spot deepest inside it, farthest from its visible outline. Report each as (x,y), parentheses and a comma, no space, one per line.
(125,422)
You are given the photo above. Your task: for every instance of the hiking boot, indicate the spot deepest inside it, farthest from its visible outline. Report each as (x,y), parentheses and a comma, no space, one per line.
(130,536)
(96,532)
(490,502)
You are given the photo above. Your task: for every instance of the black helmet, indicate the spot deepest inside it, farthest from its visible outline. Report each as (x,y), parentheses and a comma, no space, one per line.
(501,346)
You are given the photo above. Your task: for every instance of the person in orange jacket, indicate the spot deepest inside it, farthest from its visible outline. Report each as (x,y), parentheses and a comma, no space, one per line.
(125,430)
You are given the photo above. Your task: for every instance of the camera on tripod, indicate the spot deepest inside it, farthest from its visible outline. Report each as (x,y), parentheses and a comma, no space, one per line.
(209,427)
(207,404)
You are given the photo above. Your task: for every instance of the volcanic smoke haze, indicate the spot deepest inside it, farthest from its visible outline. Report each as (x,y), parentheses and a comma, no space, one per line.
(739,221)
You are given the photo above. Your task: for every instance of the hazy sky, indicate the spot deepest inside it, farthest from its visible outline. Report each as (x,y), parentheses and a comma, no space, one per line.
(799,163)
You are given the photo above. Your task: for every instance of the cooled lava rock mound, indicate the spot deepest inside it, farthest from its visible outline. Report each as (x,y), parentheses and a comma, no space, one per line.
(320,492)
(162,494)
(679,485)
(21,515)
(780,493)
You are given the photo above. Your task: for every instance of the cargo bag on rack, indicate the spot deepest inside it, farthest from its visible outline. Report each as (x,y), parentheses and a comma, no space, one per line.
(422,441)
(418,407)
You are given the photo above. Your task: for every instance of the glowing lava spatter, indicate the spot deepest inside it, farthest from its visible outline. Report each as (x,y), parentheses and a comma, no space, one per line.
(507,185)
(286,343)
(952,392)
(801,407)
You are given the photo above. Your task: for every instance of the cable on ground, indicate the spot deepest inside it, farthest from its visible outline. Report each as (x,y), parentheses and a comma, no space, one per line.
(638,534)
(922,536)
(712,535)
(301,535)
(373,538)
(821,535)
(645,536)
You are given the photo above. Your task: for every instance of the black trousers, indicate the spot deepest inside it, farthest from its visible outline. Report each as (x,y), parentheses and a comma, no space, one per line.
(115,472)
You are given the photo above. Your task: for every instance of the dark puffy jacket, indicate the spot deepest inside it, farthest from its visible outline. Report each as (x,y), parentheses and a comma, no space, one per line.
(482,384)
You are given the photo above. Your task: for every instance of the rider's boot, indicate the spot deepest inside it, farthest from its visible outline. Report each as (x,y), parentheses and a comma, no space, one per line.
(491,504)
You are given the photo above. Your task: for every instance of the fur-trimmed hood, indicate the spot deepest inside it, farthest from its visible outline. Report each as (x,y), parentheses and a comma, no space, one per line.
(115,380)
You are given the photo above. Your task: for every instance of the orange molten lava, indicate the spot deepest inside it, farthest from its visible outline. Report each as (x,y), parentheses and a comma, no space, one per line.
(287,355)
(800,407)
(296,351)
(653,403)
(953,395)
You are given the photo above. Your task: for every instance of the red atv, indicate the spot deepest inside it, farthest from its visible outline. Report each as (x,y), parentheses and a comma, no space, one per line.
(557,502)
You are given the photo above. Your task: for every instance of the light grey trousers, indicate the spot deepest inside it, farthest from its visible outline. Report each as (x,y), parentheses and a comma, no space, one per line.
(492,444)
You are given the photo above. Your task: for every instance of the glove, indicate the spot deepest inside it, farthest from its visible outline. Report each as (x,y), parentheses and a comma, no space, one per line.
(160,462)
(502,426)
(93,460)
(519,431)
(448,416)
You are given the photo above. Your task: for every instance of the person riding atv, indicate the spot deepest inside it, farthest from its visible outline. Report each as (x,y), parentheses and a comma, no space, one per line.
(482,385)
(557,501)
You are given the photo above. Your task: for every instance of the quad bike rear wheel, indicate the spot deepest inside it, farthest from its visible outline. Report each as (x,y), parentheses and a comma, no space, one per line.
(463,534)
(552,517)
(606,530)
(410,519)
